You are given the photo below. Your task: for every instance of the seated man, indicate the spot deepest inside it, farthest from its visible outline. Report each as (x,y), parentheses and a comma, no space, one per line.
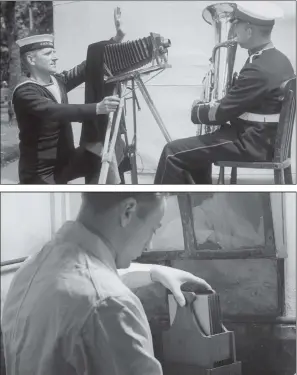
(47,152)
(69,310)
(248,114)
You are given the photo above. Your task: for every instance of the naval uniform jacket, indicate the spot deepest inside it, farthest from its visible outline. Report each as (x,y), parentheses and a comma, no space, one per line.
(45,132)
(256,90)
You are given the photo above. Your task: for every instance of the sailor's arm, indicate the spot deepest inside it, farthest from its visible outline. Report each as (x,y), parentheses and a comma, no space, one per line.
(250,88)
(28,100)
(73,77)
(77,75)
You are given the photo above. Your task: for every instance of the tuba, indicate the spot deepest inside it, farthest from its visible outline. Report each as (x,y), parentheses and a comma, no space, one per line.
(220,77)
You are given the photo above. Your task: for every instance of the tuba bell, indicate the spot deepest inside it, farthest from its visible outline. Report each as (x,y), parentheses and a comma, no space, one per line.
(220,76)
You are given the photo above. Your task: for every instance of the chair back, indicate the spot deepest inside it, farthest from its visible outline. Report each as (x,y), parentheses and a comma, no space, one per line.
(282,149)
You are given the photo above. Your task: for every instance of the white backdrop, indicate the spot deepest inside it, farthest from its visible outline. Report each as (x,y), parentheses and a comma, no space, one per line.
(80,23)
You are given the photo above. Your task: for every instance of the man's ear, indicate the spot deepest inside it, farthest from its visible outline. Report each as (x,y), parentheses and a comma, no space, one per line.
(128,209)
(250,31)
(30,58)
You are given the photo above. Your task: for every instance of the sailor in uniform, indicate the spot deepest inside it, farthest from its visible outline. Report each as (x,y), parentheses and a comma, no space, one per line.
(47,152)
(248,114)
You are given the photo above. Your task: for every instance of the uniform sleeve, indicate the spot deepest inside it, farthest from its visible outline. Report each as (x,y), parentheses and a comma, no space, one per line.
(28,100)
(77,75)
(250,88)
(117,341)
(74,77)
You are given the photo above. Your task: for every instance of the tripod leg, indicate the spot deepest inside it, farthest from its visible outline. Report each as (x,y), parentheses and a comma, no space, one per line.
(131,156)
(152,108)
(104,167)
(107,157)
(133,162)
(109,148)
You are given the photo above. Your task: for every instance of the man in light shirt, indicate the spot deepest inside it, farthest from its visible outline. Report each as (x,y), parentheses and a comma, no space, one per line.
(70,311)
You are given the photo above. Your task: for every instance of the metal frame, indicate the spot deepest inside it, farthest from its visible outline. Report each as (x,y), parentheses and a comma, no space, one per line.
(115,120)
(191,250)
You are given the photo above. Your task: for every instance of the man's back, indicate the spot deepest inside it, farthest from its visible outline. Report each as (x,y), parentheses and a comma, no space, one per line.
(68,312)
(275,68)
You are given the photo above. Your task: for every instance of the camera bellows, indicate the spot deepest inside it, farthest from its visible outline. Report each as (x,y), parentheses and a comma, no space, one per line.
(125,57)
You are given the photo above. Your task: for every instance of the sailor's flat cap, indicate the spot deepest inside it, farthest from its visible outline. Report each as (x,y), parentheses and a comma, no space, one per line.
(263,13)
(35,42)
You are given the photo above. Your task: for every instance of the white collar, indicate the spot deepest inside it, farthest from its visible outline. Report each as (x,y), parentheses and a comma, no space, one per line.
(30,80)
(258,53)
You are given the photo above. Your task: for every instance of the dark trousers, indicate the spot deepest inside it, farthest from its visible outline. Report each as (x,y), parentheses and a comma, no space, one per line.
(195,155)
(88,165)
(80,163)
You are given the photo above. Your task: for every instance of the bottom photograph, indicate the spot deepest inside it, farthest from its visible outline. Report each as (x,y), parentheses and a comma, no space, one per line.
(145,283)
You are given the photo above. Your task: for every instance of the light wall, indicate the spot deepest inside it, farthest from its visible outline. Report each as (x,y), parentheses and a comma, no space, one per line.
(80,23)
(28,221)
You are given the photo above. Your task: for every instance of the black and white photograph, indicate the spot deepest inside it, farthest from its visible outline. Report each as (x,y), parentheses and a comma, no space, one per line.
(148,92)
(123,277)
(146,283)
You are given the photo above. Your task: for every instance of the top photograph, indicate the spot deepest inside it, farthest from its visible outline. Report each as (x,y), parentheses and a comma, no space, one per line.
(148,92)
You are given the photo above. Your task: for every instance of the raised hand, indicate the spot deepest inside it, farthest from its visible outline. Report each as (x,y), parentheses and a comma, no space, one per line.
(118,25)
(117,18)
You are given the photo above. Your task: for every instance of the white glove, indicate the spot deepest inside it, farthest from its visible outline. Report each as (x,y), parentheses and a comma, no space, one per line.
(173,279)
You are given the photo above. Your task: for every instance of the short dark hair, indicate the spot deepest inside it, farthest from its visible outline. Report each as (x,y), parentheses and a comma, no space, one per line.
(102,201)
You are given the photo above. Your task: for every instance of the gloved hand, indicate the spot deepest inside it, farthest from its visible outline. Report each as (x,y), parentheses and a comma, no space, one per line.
(173,279)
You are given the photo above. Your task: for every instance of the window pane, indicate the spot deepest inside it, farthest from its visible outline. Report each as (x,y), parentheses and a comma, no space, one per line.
(170,235)
(228,221)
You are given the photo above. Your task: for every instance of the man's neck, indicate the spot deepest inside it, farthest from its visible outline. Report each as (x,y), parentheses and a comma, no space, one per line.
(259,47)
(42,79)
(99,233)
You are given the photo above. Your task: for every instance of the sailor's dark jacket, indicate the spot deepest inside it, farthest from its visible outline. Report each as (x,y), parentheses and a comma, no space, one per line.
(45,131)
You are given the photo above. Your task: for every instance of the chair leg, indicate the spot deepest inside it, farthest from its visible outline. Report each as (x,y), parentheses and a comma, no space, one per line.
(288,176)
(278,176)
(233,180)
(221,180)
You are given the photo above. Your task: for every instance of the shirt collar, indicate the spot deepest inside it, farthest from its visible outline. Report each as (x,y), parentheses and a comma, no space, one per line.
(30,79)
(252,51)
(76,232)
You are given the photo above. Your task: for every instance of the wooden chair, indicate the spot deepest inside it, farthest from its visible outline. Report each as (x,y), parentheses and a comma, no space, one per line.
(281,163)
